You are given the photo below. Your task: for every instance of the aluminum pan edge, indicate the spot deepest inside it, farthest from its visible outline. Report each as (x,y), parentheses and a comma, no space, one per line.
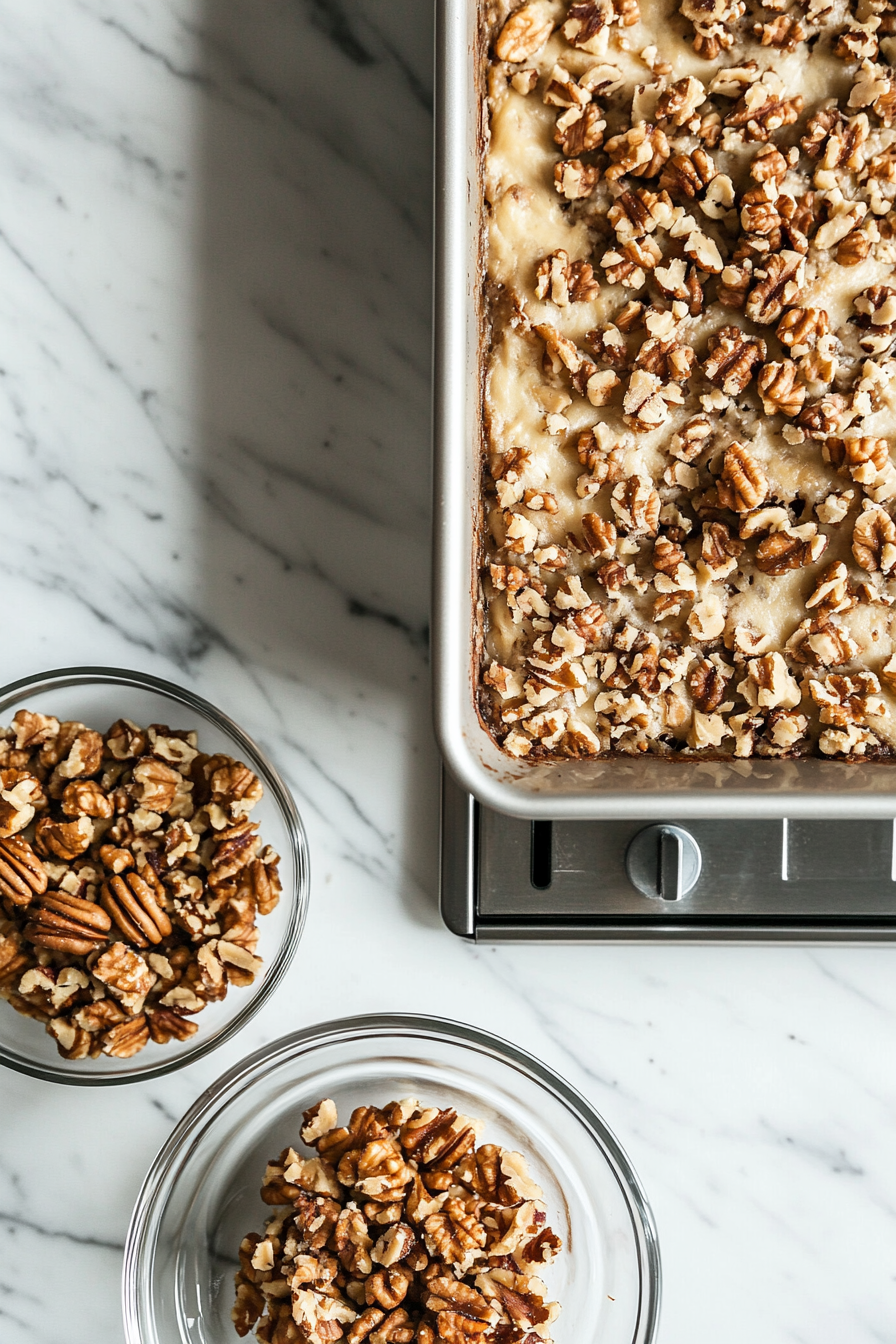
(611,789)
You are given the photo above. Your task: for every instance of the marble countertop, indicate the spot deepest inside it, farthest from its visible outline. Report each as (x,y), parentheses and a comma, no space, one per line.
(214,462)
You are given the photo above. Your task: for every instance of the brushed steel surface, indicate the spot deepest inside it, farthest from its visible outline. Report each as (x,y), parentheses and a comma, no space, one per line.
(619,789)
(663,861)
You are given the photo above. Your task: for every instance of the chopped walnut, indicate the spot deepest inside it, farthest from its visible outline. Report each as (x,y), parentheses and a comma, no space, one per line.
(763,110)
(854,248)
(588,21)
(564,281)
(846,700)
(575,180)
(478,1212)
(21,796)
(63,839)
(800,329)
(117,866)
(874,540)
(641,151)
(687,176)
(792,549)
(820,419)
(779,281)
(524,81)
(580,130)
(708,683)
(125,974)
(738,359)
(732,359)
(707,619)
(743,484)
(525,32)
(785,32)
(599,534)
(876,309)
(33,730)
(692,439)
(780,389)
(678,103)
(564,90)
(770,684)
(636,505)
(834,508)
(645,406)
(875,87)
(719,551)
(713,22)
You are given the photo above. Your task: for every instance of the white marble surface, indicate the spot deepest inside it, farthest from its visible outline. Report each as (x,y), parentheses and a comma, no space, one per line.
(214,309)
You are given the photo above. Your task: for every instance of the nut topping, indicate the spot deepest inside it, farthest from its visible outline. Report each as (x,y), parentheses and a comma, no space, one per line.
(780,389)
(786,550)
(778,284)
(874,540)
(800,329)
(642,151)
(743,484)
(708,683)
(524,33)
(732,359)
(701,462)
(636,506)
(565,282)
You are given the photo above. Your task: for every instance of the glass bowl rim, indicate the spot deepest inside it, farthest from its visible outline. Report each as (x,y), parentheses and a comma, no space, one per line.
(117,676)
(177,1149)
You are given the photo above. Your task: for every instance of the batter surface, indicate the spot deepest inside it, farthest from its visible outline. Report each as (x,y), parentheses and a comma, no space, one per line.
(689,388)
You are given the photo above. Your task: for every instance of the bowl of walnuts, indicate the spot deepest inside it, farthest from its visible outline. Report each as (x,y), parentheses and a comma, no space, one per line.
(391,1179)
(153,876)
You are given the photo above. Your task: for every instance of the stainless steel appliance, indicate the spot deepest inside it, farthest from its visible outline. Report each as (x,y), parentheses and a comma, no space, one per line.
(770,880)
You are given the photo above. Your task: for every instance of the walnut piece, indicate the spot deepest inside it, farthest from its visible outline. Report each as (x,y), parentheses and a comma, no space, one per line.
(743,484)
(779,284)
(789,550)
(874,540)
(449,1257)
(732,359)
(21,795)
(636,505)
(524,33)
(780,389)
(800,329)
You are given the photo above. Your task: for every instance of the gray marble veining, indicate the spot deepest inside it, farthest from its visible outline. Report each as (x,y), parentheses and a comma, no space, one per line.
(214,465)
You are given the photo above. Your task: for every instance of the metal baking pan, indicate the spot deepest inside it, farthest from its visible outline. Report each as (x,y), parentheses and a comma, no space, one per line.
(616,788)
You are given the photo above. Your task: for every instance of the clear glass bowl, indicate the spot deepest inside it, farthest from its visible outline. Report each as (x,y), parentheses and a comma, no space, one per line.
(202,1193)
(98,696)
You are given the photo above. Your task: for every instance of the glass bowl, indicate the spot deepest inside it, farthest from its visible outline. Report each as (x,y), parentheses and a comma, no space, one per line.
(202,1193)
(98,696)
